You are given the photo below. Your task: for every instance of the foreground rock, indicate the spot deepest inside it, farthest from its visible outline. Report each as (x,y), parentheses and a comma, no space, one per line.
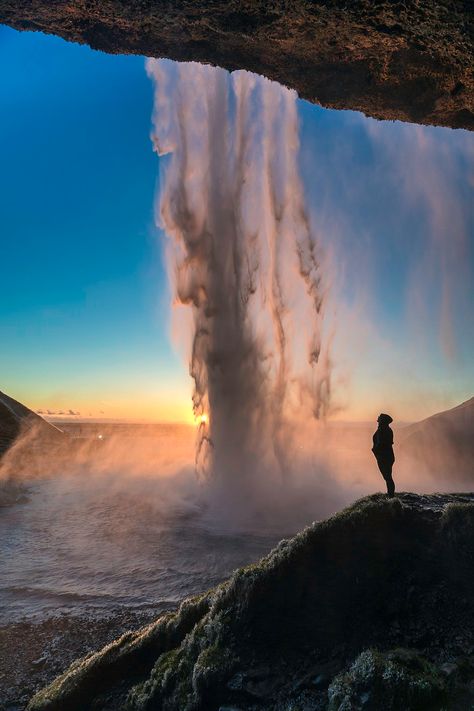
(409,60)
(370,609)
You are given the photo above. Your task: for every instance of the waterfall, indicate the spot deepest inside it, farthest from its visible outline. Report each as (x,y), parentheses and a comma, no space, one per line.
(243,260)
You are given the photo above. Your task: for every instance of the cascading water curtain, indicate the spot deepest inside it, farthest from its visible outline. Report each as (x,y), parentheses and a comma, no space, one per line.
(242,256)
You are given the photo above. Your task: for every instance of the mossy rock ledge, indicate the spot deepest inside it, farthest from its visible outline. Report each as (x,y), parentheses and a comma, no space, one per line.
(370,609)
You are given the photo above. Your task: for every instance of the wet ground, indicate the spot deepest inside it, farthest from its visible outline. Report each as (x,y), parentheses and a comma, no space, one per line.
(34,653)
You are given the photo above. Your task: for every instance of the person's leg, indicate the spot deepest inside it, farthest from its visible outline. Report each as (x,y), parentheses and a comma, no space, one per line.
(383,470)
(390,483)
(390,486)
(386,472)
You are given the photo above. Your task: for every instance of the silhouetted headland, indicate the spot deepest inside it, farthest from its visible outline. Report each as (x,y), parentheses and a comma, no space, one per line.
(17,419)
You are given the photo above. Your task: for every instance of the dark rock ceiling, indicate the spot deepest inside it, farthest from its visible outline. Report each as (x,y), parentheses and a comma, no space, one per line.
(409,60)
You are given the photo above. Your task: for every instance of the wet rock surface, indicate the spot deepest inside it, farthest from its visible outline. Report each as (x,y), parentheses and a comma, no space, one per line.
(370,609)
(32,653)
(410,60)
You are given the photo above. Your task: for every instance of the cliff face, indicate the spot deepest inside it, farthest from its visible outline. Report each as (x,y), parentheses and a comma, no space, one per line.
(329,620)
(407,60)
(16,418)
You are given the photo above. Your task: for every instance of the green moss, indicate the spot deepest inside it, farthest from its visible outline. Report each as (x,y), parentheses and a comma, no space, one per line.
(399,679)
(212,656)
(458,521)
(139,695)
(74,685)
(130,656)
(171,676)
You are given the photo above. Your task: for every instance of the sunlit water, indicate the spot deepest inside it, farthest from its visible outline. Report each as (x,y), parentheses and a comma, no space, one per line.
(83,544)
(131,528)
(81,553)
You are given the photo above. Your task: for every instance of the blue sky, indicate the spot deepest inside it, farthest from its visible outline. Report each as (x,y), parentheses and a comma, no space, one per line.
(83,294)
(83,303)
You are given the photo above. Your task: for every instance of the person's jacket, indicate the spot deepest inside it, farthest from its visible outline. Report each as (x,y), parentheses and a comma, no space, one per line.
(383,444)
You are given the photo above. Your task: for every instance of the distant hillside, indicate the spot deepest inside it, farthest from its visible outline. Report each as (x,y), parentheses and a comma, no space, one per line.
(444,441)
(16,418)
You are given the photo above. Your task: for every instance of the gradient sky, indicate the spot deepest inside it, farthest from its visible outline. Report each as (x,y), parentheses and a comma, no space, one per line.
(84,314)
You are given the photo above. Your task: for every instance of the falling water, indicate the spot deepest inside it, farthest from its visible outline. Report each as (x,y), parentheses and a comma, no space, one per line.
(243,258)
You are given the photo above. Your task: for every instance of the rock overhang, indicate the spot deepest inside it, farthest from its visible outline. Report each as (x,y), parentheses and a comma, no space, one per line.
(407,61)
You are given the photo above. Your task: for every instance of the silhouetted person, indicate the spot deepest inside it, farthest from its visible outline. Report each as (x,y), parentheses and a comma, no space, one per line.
(383,451)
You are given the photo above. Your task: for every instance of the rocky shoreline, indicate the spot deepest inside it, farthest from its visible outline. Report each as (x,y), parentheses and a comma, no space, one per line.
(369,609)
(33,653)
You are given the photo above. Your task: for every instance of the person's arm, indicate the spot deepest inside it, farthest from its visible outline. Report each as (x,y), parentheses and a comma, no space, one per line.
(375,442)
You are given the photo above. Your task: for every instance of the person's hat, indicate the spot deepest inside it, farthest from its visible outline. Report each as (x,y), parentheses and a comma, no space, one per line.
(384,418)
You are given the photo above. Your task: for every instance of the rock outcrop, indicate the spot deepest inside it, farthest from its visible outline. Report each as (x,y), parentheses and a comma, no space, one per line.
(370,609)
(406,60)
(16,419)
